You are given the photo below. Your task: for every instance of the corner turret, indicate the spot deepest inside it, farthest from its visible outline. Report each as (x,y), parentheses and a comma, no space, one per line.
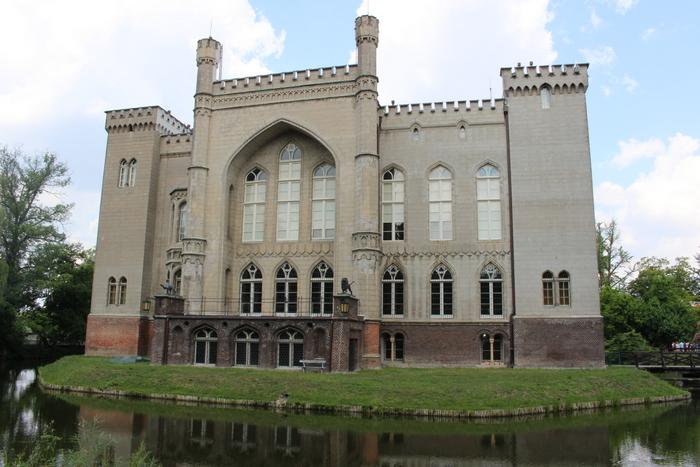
(208,63)
(367,40)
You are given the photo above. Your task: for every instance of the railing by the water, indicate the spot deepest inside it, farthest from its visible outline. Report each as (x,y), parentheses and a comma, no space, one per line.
(654,359)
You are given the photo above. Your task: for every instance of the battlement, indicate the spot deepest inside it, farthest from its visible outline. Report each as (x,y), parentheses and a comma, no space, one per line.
(526,80)
(176,145)
(482,111)
(144,119)
(308,77)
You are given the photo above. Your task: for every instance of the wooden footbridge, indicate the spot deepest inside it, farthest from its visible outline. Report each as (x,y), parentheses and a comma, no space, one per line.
(679,368)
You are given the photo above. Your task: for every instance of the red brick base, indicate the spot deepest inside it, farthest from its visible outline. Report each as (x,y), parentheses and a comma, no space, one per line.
(115,335)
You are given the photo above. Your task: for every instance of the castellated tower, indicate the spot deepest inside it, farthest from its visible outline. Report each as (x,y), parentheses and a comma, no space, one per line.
(553,226)
(118,323)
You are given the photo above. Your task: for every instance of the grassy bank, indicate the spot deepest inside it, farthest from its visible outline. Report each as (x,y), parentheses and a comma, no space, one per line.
(463,389)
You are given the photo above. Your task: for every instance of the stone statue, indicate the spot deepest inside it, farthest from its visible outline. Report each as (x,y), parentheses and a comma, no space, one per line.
(168,287)
(345,286)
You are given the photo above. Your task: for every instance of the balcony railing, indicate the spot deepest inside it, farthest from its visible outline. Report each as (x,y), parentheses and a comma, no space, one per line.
(302,307)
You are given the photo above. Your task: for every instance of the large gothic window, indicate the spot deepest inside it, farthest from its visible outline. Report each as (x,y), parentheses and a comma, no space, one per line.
(440,196)
(205,343)
(254,206)
(488,196)
(393,205)
(441,291)
(181,221)
(286,289)
(288,193)
(392,292)
(290,349)
(323,203)
(491,284)
(322,289)
(247,347)
(251,290)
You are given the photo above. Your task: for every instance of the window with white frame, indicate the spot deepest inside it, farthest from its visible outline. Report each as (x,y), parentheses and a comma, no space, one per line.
(247,347)
(181,221)
(488,196)
(112,291)
(440,197)
(122,291)
(286,289)
(491,348)
(322,289)
(290,349)
(491,285)
(393,205)
(254,206)
(323,203)
(392,292)
(545,96)
(563,287)
(441,291)
(548,288)
(123,173)
(288,192)
(205,347)
(132,172)
(251,290)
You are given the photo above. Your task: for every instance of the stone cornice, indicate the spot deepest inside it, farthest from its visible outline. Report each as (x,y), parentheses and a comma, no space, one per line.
(290,94)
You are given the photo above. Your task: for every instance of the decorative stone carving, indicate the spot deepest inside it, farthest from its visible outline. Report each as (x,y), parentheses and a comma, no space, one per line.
(193,246)
(345,89)
(366,241)
(452,254)
(173,255)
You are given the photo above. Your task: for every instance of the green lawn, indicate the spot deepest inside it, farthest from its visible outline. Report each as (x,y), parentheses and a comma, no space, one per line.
(462,389)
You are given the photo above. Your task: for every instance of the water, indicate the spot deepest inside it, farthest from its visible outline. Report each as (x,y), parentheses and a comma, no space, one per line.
(188,435)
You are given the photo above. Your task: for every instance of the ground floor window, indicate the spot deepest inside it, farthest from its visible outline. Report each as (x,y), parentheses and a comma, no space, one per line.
(247,348)
(491,347)
(290,349)
(205,343)
(392,347)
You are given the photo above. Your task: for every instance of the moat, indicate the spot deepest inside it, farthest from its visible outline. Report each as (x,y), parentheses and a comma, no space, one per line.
(188,435)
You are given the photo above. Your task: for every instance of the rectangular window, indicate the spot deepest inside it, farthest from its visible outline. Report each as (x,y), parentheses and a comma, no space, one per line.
(498,298)
(254,352)
(240,353)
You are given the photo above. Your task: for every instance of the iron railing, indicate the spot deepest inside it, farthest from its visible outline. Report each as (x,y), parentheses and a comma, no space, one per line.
(654,359)
(263,307)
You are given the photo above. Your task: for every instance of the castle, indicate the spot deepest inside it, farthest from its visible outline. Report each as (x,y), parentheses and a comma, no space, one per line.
(301,223)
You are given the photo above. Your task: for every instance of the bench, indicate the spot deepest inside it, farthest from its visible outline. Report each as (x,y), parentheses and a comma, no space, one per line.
(317,364)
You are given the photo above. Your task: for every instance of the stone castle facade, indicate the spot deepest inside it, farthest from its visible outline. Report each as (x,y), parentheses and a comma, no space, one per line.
(464,229)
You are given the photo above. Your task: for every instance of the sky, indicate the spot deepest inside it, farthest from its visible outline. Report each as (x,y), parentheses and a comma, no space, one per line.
(62,64)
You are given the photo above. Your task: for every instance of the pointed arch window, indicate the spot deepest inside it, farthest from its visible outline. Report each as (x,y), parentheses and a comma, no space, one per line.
(290,349)
(323,203)
(247,347)
(491,284)
(440,196)
(545,97)
(181,221)
(205,347)
(322,289)
(254,206)
(488,195)
(112,291)
(123,173)
(177,282)
(548,288)
(563,288)
(132,172)
(286,289)
(288,192)
(441,291)
(251,290)
(122,291)
(392,292)
(393,205)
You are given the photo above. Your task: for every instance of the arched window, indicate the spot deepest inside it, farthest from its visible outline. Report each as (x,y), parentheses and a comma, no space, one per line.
(392,347)
(286,289)
(488,195)
(548,288)
(177,282)
(440,196)
(491,284)
(393,205)
(545,96)
(563,286)
(392,292)
(181,221)
(205,343)
(322,289)
(123,173)
(251,290)
(441,292)
(247,347)
(491,348)
(122,291)
(290,349)
(254,206)
(288,191)
(323,203)
(132,172)
(112,291)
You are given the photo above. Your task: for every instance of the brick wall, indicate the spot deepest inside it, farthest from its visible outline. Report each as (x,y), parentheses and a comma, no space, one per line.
(112,335)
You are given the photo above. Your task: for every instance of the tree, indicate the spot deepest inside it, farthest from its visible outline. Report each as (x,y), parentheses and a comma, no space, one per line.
(25,222)
(614,262)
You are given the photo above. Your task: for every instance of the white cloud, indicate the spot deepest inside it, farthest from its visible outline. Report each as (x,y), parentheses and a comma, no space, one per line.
(595,19)
(648,33)
(352,57)
(607,91)
(629,83)
(433,51)
(68,56)
(623,6)
(658,212)
(601,56)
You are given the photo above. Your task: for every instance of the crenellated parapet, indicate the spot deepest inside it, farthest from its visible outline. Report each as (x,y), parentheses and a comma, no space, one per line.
(176,145)
(474,112)
(561,79)
(367,30)
(144,119)
(288,79)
